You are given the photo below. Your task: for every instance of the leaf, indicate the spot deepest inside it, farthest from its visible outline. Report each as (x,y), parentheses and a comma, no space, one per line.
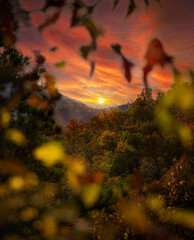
(92,29)
(53,49)
(115,4)
(159,2)
(53,3)
(91,178)
(85,50)
(131,7)
(37,102)
(183,217)
(147,2)
(28,214)
(16,183)
(50,85)
(60,64)
(155,55)
(49,21)
(75,18)
(78,6)
(92,68)
(90,194)
(126,63)
(50,153)
(16,136)
(5,118)
(127,66)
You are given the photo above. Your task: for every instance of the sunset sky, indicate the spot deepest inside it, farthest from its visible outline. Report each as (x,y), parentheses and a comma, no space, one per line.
(173,24)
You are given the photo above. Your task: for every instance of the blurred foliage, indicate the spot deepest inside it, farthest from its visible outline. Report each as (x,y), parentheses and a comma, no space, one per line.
(123,175)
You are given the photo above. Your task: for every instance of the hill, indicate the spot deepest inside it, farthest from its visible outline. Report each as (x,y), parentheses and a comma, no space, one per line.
(67,108)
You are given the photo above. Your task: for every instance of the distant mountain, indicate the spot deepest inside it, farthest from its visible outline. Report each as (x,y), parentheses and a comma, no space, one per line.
(67,108)
(124,107)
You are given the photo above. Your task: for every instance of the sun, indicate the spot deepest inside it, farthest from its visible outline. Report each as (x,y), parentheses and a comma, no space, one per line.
(101,100)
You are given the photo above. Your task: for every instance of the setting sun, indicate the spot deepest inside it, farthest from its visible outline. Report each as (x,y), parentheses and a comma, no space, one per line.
(101,100)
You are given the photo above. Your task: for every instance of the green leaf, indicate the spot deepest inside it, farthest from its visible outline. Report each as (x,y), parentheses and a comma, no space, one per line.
(92,29)
(60,64)
(85,50)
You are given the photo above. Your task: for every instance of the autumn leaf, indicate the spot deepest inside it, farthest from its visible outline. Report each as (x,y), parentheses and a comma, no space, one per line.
(50,153)
(53,49)
(126,63)
(16,136)
(53,3)
(85,50)
(155,55)
(116,2)
(147,2)
(131,7)
(90,194)
(92,29)
(49,21)
(60,64)
(92,68)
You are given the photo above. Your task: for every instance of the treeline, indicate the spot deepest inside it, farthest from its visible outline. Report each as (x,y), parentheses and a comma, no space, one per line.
(129,145)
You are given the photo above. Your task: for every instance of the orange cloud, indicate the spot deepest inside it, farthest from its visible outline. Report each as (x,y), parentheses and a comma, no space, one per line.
(174,26)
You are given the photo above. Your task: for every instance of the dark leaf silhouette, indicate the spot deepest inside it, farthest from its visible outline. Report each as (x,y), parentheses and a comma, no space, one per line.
(92,68)
(92,29)
(85,50)
(53,3)
(94,32)
(116,2)
(159,2)
(131,7)
(49,21)
(78,8)
(147,2)
(53,49)
(155,55)
(75,18)
(126,63)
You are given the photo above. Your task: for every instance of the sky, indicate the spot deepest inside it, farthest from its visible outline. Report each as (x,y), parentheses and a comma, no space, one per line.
(173,24)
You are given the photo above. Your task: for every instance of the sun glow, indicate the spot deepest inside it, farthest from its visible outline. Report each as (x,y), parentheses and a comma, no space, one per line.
(101,100)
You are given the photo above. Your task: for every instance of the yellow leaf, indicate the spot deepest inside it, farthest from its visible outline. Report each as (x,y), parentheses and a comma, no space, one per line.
(75,169)
(50,153)
(16,183)
(5,118)
(90,194)
(28,214)
(185,134)
(183,217)
(155,204)
(16,136)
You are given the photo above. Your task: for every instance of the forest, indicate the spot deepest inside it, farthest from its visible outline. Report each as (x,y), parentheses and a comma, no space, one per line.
(122,175)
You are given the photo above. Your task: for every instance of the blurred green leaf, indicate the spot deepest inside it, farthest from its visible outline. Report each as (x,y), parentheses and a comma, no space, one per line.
(60,64)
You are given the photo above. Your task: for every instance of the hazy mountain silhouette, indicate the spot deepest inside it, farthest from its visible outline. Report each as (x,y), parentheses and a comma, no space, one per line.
(67,108)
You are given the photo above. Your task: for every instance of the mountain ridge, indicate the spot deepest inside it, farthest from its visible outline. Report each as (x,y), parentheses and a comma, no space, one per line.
(68,108)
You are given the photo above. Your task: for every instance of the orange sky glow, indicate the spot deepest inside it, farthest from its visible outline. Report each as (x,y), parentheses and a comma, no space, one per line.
(173,24)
